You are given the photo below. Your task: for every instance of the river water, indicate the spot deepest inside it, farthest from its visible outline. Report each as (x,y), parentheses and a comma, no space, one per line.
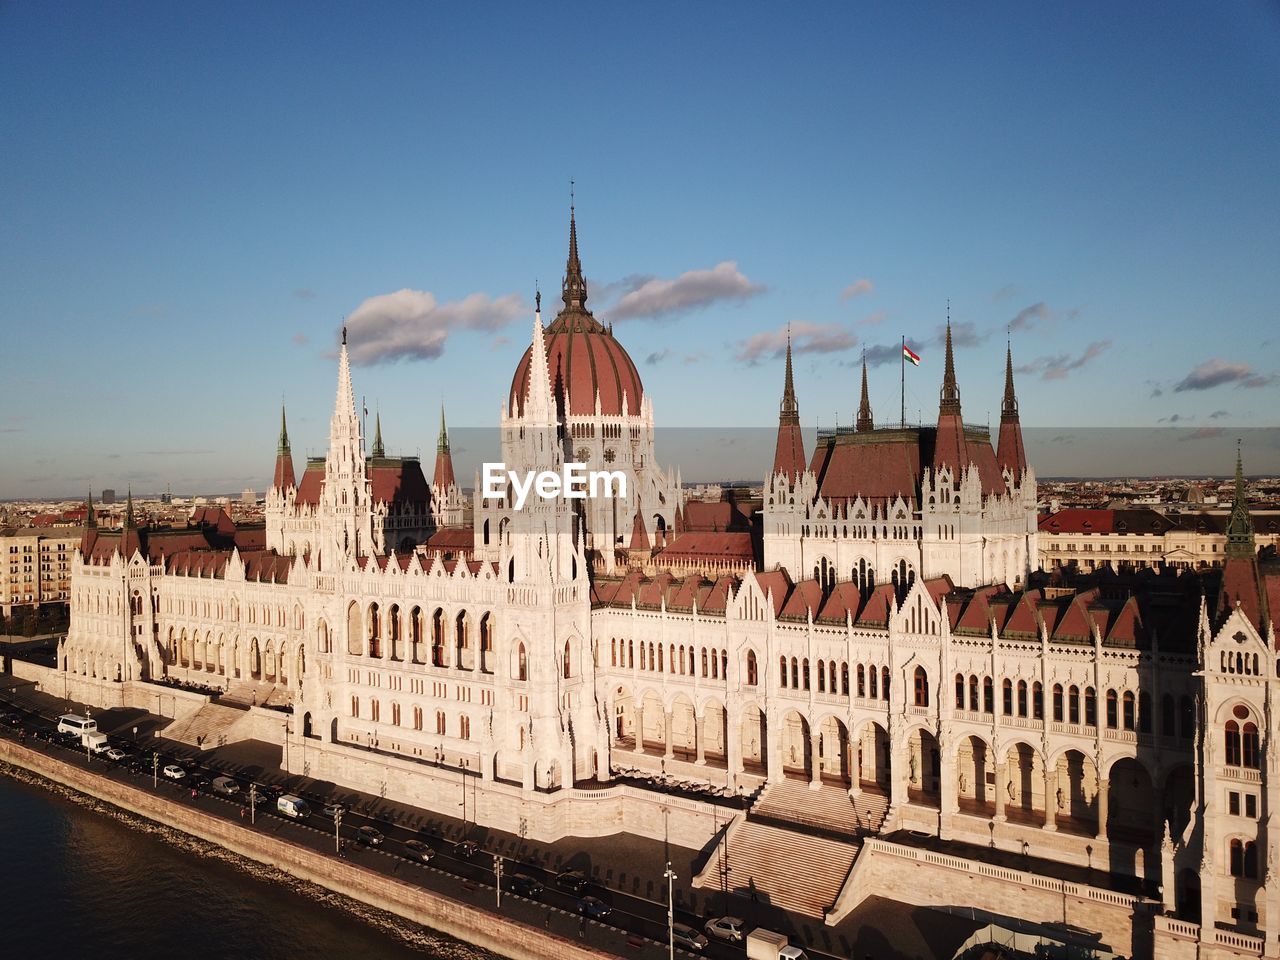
(77,880)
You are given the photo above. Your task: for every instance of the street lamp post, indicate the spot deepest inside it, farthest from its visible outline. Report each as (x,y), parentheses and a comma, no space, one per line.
(88,757)
(463,771)
(337,831)
(286,743)
(253,804)
(155,770)
(497,872)
(671,913)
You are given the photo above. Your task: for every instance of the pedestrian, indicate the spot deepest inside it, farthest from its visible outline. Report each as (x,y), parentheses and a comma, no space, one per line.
(582,926)
(242,813)
(546,921)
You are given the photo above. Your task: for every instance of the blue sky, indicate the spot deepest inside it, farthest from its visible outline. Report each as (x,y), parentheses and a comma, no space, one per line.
(193,197)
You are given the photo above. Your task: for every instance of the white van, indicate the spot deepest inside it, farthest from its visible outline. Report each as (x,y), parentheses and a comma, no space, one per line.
(70,723)
(293,807)
(95,742)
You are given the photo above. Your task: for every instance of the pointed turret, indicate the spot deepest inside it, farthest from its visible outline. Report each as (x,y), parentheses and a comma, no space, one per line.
(539,404)
(788,456)
(284,476)
(378,449)
(1240,526)
(950,449)
(1242,585)
(639,535)
(130,542)
(444,477)
(90,535)
(1010,453)
(865,423)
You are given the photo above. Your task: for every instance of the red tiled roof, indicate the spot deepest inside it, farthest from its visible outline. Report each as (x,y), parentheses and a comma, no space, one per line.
(876,470)
(452,538)
(722,547)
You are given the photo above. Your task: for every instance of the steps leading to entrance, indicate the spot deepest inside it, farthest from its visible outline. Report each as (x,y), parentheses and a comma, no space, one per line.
(250,693)
(792,870)
(209,726)
(828,808)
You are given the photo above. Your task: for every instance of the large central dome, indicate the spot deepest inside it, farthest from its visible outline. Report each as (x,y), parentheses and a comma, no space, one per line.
(583,357)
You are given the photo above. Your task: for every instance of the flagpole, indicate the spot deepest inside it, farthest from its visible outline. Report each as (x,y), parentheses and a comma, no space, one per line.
(902,378)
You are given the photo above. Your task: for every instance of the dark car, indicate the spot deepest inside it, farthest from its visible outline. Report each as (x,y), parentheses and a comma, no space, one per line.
(572,880)
(272,791)
(369,836)
(417,850)
(465,849)
(526,886)
(13,720)
(687,937)
(594,907)
(200,782)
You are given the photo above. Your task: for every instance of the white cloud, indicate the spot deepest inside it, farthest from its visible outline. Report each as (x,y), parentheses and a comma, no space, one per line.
(1057,366)
(805,338)
(858,288)
(1215,372)
(412,324)
(655,297)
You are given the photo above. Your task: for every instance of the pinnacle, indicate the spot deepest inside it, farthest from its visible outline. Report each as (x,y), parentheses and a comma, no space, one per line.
(865,422)
(950,392)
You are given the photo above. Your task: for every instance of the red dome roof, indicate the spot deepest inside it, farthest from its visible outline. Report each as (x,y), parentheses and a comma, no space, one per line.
(583,357)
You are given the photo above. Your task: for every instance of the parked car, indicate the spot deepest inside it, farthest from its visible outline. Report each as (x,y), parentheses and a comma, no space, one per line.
(272,791)
(525,885)
(200,782)
(369,836)
(417,850)
(13,720)
(465,849)
(225,786)
(571,880)
(173,771)
(594,908)
(116,754)
(688,937)
(333,810)
(725,928)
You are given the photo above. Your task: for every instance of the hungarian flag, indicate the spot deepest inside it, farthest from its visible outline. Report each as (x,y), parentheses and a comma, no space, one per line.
(910,356)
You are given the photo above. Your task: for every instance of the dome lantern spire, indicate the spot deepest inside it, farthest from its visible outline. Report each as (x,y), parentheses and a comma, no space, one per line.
(575,287)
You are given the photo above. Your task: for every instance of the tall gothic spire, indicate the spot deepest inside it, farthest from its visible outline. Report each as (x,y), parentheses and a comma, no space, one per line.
(1009,406)
(951,449)
(789,410)
(1011,455)
(865,423)
(539,404)
(284,477)
(128,511)
(444,476)
(89,519)
(575,287)
(1240,526)
(788,456)
(950,398)
(345,405)
(378,449)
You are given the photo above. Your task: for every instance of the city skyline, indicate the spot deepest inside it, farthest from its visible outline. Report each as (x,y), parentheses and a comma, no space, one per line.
(193,206)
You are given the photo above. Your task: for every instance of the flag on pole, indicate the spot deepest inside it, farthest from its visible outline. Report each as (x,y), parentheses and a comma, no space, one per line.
(910,356)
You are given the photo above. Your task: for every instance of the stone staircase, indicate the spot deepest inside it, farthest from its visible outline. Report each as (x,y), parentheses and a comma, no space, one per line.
(251,693)
(792,870)
(209,726)
(828,808)
(871,810)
